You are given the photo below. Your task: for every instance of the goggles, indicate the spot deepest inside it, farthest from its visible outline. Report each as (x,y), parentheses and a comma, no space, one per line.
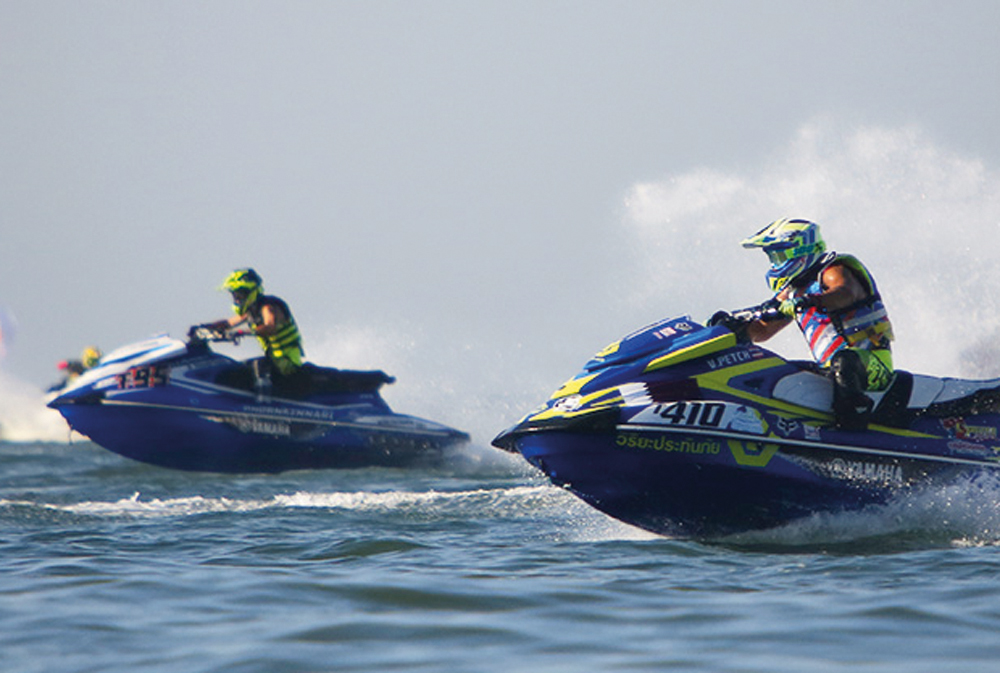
(780,256)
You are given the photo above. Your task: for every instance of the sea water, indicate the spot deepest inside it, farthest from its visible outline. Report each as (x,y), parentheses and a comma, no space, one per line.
(111,565)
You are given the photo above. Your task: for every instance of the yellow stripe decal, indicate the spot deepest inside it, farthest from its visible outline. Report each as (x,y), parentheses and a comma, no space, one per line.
(573,386)
(691,352)
(719,381)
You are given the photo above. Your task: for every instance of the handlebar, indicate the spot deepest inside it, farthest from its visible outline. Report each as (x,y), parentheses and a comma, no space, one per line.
(768,312)
(203,333)
(738,320)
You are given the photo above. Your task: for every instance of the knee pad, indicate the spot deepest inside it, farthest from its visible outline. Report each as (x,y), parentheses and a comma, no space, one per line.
(849,372)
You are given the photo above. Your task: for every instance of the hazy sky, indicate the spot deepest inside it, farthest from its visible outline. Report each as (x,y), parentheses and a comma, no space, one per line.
(440,178)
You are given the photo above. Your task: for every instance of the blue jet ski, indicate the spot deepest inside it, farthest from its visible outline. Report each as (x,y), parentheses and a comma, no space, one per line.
(180,404)
(691,431)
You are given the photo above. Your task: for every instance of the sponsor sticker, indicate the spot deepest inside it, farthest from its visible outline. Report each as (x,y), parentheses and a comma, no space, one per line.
(711,415)
(867,471)
(959,429)
(635,440)
(149,376)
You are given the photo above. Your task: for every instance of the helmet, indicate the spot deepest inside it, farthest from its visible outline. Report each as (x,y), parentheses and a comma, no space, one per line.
(245,286)
(793,246)
(90,356)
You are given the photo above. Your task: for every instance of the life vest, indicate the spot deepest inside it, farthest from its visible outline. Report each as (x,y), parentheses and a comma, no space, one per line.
(284,347)
(864,325)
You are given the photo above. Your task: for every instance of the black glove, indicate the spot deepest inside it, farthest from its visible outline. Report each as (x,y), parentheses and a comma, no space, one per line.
(724,318)
(736,325)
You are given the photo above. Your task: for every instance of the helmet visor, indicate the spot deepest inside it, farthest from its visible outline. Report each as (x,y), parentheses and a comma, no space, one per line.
(781,255)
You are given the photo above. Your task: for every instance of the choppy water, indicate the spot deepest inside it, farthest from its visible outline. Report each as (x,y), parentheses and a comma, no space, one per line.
(109,565)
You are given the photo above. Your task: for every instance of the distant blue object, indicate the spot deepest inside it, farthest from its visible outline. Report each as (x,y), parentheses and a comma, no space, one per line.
(181,405)
(691,431)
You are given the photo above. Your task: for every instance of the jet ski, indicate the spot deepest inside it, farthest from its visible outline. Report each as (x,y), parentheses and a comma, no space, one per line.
(183,405)
(690,430)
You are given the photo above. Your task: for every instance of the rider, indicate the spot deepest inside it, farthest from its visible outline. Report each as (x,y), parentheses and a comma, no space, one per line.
(836,304)
(72,369)
(270,320)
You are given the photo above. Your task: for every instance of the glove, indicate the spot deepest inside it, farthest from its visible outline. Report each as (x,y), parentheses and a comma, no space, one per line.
(723,318)
(203,333)
(734,324)
(789,307)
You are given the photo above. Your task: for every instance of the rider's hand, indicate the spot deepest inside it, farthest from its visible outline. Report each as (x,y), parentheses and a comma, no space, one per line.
(789,307)
(234,334)
(724,318)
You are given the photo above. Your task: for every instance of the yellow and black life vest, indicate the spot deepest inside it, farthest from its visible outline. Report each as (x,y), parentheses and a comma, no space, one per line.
(284,347)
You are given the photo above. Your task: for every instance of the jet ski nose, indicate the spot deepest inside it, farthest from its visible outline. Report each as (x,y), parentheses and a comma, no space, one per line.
(506,440)
(75,397)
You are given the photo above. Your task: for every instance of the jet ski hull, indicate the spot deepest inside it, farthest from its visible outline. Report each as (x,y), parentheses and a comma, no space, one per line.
(703,486)
(162,404)
(184,440)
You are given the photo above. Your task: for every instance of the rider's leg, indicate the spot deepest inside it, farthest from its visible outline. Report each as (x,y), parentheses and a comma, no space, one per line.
(851,407)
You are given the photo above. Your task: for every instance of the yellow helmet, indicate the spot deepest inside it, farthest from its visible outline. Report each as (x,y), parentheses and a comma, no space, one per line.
(90,356)
(793,246)
(246,287)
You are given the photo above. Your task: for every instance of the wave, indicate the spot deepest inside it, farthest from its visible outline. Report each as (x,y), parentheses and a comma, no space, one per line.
(962,514)
(965,513)
(503,501)
(24,416)
(544,502)
(137,507)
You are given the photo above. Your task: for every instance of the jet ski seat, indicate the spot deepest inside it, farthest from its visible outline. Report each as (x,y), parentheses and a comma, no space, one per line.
(963,398)
(910,395)
(319,380)
(309,380)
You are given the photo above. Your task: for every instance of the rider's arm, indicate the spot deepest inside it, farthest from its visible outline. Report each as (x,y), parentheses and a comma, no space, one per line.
(228,322)
(759,330)
(841,288)
(272,318)
(762,330)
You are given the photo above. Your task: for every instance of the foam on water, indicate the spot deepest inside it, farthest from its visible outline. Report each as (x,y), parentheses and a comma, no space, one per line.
(136,506)
(580,522)
(24,416)
(963,513)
